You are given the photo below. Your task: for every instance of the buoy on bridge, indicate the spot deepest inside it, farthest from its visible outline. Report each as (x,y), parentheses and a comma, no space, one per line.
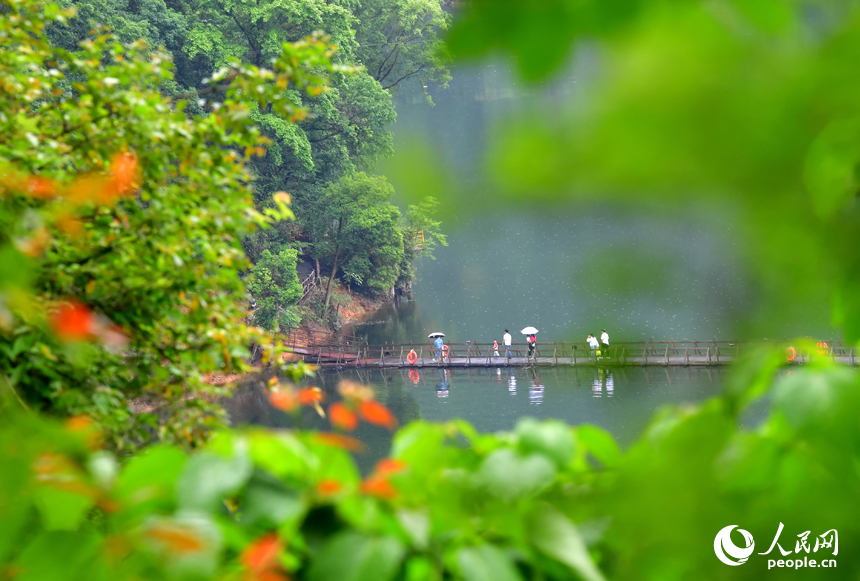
(790,354)
(412,357)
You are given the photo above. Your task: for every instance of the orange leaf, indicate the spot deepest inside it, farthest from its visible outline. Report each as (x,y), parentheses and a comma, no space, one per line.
(379,487)
(176,538)
(125,173)
(388,466)
(40,187)
(79,423)
(89,188)
(342,418)
(354,392)
(328,487)
(284,400)
(376,413)
(69,224)
(85,424)
(310,395)
(262,553)
(73,322)
(339,441)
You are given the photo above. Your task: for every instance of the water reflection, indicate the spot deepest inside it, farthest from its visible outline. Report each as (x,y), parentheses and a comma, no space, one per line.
(603,380)
(442,387)
(536,391)
(489,399)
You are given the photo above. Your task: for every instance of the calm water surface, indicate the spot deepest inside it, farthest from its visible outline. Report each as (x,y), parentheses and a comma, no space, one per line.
(620,400)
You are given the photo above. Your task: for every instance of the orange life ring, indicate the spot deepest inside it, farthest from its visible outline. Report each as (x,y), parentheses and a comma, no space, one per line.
(412,357)
(445,351)
(790,354)
(822,348)
(414,376)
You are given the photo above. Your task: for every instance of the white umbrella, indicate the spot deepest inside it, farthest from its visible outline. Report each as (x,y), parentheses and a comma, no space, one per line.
(529,331)
(434,335)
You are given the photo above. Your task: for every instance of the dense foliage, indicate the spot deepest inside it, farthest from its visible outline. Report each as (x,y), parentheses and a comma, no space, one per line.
(545,501)
(122,217)
(388,41)
(118,260)
(275,285)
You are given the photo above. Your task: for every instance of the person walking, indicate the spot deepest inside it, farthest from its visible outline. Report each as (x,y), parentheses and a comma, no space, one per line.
(532,342)
(604,342)
(495,348)
(507,342)
(592,342)
(438,345)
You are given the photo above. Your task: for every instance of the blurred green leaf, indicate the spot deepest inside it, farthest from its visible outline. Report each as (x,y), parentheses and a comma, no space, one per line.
(150,477)
(599,443)
(268,503)
(509,476)
(555,536)
(208,480)
(550,438)
(61,556)
(61,510)
(830,172)
(350,556)
(486,563)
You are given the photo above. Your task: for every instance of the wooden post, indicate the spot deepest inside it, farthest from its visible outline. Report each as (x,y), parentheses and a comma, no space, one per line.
(469,355)
(709,355)
(573,359)
(667,355)
(554,353)
(382,356)
(421,356)
(401,357)
(645,353)
(686,355)
(717,351)
(624,354)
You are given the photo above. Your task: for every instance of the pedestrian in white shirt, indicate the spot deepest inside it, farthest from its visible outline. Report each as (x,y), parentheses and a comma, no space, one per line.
(592,342)
(604,339)
(507,340)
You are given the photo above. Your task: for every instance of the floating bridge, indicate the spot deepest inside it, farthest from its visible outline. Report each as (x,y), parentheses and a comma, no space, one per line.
(350,352)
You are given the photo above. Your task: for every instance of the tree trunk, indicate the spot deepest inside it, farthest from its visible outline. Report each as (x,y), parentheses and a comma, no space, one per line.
(331,278)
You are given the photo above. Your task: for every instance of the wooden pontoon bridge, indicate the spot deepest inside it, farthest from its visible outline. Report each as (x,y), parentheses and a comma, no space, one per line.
(350,352)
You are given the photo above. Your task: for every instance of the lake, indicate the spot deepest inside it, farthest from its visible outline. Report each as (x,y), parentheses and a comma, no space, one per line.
(621,400)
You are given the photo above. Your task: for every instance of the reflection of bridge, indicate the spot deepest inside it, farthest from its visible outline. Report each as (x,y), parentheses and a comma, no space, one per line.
(636,353)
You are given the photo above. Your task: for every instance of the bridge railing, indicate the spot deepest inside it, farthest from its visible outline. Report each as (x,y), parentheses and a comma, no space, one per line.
(352,350)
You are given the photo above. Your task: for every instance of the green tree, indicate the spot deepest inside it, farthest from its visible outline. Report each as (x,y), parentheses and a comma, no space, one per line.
(133,213)
(421,234)
(400,40)
(355,226)
(275,286)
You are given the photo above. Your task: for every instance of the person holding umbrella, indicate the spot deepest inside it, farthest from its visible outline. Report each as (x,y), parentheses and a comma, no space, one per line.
(531,340)
(437,343)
